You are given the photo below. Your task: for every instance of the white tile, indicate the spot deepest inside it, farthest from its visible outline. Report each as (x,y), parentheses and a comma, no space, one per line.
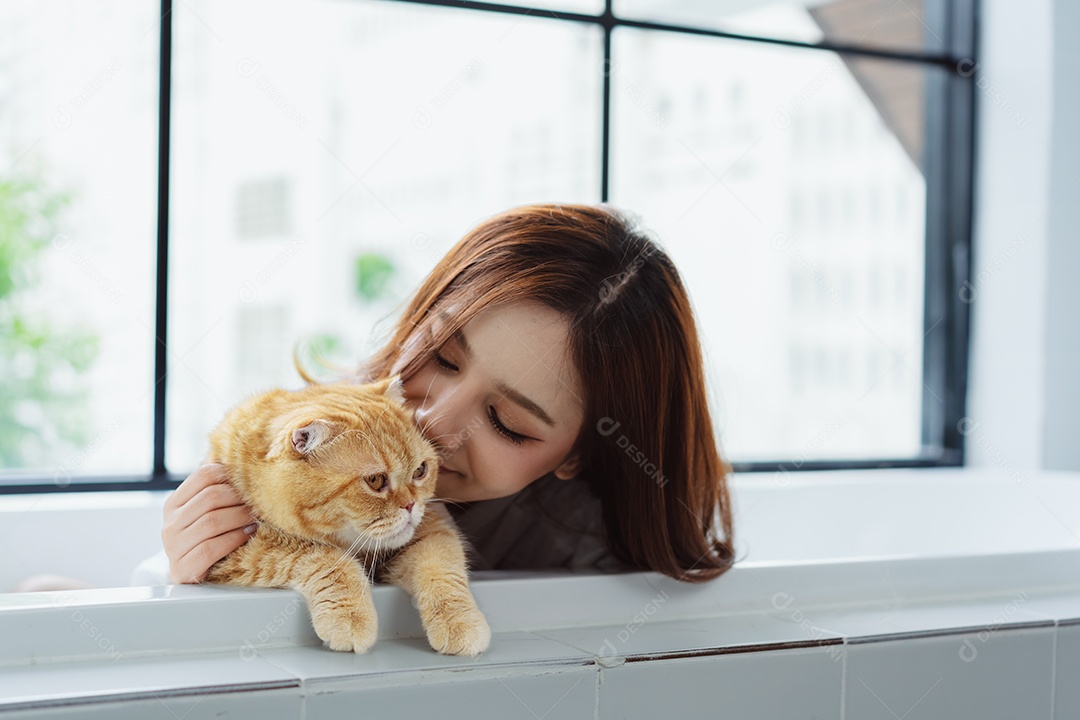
(74,624)
(772,685)
(1058,605)
(643,635)
(504,693)
(134,677)
(938,617)
(284,704)
(1002,675)
(415,654)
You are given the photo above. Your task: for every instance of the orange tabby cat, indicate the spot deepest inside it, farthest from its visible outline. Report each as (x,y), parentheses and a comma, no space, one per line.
(338,474)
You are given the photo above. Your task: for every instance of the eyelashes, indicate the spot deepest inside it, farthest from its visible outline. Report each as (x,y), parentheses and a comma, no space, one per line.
(516,438)
(506,432)
(444,363)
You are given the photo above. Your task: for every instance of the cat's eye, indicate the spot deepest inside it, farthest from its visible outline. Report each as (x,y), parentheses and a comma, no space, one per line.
(420,471)
(376,482)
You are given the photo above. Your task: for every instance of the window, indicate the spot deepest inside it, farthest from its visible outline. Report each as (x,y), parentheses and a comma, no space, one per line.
(807,166)
(78,148)
(262,208)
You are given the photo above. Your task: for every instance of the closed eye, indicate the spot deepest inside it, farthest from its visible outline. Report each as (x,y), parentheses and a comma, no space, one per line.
(444,363)
(516,438)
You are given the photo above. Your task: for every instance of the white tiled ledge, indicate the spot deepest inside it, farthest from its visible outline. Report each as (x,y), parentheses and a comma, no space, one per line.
(86,648)
(217,649)
(40,628)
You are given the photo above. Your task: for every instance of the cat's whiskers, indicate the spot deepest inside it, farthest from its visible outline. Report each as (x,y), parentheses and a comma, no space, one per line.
(375,554)
(353,433)
(428,391)
(370,573)
(426,425)
(350,552)
(354,553)
(441,450)
(364,548)
(444,501)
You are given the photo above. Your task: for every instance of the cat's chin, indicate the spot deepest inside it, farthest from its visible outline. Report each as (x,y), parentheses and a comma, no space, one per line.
(363,542)
(400,538)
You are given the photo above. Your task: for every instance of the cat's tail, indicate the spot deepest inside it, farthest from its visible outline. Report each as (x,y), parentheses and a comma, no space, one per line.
(340,374)
(300,366)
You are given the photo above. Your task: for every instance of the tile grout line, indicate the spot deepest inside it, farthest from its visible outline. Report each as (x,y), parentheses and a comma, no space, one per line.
(596,701)
(946,632)
(1053,670)
(843,680)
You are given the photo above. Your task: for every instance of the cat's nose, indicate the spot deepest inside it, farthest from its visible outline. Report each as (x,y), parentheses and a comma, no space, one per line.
(408,508)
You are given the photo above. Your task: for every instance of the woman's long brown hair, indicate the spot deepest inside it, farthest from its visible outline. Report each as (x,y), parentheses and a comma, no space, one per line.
(647,446)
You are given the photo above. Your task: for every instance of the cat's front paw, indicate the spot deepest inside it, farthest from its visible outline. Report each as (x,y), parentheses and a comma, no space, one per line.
(458,632)
(346,629)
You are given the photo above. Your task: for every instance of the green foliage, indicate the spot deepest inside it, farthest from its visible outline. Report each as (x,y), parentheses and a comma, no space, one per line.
(313,354)
(43,399)
(323,345)
(373,274)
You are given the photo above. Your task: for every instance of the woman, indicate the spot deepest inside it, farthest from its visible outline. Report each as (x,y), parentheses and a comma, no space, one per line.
(553,358)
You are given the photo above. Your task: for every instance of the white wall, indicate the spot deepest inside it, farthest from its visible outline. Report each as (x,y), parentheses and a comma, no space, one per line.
(98,538)
(1023,396)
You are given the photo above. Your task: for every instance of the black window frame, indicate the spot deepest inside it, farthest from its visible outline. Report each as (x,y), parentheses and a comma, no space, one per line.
(946,317)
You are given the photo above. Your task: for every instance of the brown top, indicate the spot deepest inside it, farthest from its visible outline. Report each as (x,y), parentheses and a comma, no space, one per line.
(550,524)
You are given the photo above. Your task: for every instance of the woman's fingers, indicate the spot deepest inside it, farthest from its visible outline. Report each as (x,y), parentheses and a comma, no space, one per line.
(203,522)
(209,499)
(203,477)
(218,521)
(192,567)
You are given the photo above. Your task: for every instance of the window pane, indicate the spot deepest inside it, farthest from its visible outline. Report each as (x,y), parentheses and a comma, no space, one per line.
(788,186)
(316,181)
(78,170)
(916,25)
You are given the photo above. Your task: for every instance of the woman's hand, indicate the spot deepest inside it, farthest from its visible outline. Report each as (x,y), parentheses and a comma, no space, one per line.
(205,520)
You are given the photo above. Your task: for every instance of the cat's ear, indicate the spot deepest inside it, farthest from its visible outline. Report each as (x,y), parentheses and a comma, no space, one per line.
(394,389)
(305,439)
(308,437)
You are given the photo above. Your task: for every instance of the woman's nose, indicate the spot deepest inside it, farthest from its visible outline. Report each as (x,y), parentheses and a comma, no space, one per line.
(437,419)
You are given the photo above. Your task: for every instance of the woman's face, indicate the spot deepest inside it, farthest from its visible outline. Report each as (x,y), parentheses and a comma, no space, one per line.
(501,401)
